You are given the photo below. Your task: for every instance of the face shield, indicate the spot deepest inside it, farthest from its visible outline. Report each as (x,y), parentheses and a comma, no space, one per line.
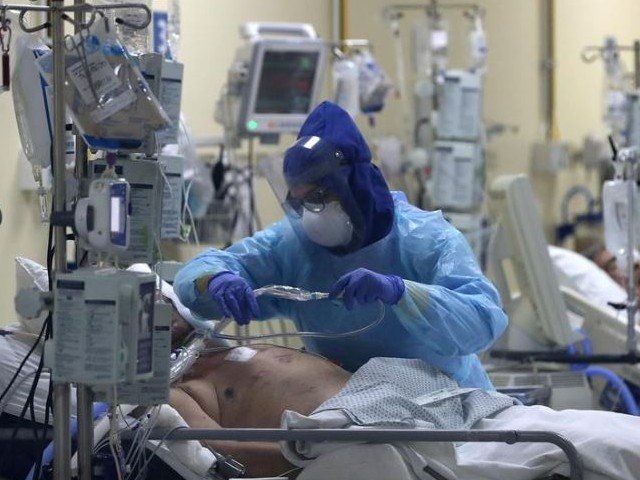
(312,185)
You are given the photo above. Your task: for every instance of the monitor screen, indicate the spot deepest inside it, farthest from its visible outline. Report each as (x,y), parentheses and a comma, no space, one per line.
(286,82)
(118,220)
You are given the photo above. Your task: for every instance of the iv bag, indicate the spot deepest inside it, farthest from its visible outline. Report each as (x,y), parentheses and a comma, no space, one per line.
(615,209)
(345,86)
(477,45)
(136,41)
(32,101)
(439,43)
(173,29)
(616,104)
(420,49)
(374,83)
(111,103)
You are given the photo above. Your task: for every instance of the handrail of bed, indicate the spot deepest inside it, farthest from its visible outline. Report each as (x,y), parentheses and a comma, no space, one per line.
(576,467)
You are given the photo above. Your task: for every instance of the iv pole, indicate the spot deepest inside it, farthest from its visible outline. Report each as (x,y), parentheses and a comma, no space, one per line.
(61,391)
(629,157)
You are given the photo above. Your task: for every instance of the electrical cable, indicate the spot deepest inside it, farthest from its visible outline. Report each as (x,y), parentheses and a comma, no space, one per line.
(112,440)
(23,412)
(143,451)
(155,451)
(134,458)
(22,364)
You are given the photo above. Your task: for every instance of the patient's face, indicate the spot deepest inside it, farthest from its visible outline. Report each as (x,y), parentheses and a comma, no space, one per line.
(607,261)
(180,328)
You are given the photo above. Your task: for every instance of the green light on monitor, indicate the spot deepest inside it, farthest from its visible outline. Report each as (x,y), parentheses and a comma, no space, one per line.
(252,125)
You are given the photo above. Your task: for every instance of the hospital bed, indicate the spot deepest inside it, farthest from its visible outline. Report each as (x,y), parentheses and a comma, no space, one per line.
(384,456)
(384,453)
(383,459)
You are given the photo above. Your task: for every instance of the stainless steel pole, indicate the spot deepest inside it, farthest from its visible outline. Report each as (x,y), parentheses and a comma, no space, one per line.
(632,301)
(636,63)
(85,431)
(61,394)
(632,307)
(84,393)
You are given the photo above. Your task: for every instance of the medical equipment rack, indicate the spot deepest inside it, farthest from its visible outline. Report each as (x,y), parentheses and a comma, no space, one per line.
(59,13)
(576,467)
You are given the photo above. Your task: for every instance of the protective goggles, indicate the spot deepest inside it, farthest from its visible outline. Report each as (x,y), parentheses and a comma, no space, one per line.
(314,201)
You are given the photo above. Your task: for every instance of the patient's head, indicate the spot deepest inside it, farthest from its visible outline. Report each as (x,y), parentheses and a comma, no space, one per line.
(607,261)
(180,328)
(595,250)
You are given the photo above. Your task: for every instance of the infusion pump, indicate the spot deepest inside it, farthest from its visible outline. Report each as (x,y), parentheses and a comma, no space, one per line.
(103,325)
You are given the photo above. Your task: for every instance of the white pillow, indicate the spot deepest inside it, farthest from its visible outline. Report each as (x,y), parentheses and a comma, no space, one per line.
(167,291)
(585,277)
(30,274)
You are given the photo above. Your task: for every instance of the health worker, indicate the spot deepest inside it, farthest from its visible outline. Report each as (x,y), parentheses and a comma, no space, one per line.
(347,234)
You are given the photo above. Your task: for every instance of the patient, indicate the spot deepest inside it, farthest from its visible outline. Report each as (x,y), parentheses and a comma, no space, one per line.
(595,250)
(226,390)
(253,386)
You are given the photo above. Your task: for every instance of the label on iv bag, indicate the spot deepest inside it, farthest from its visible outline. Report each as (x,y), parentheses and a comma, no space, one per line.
(96,72)
(170,99)
(171,206)
(113,106)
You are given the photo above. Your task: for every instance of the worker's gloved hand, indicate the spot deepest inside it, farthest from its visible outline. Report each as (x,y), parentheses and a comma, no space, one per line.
(234,297)
(364,286)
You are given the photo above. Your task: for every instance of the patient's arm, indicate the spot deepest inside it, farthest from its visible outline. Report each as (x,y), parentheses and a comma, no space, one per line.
(260,458)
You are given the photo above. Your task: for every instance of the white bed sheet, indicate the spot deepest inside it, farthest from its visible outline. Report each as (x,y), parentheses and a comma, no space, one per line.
(608,442)
(13,349)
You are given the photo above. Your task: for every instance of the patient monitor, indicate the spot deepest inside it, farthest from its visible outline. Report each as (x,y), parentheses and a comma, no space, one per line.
(274,81)
(521,268)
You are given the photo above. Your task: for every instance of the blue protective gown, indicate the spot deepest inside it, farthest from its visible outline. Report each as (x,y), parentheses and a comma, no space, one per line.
(448,313)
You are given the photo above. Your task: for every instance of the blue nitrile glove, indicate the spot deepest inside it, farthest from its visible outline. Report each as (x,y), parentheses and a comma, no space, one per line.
(234,297)
(364,286)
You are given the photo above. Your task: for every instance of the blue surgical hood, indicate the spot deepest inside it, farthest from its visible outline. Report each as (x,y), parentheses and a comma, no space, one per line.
(359,183)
